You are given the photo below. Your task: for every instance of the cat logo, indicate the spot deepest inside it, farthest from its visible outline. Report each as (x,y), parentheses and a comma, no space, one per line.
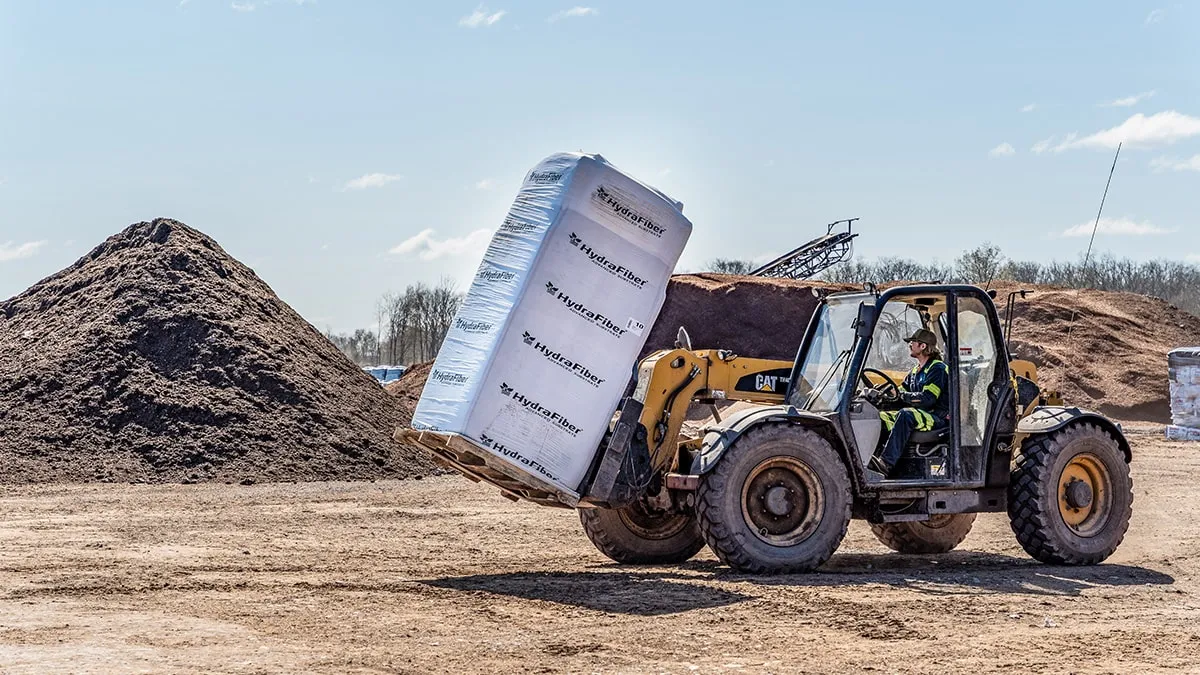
(769,383)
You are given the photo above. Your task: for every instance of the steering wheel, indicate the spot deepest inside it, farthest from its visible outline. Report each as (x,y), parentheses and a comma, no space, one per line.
(889,388)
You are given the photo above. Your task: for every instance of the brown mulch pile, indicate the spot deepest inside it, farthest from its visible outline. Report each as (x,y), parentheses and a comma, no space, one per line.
(408,388)
(752,316)
(158,357)
(1115,360)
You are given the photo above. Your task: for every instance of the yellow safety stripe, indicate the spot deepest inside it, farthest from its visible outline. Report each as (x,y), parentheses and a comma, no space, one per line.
(889,419)
(924,419)
(933,389)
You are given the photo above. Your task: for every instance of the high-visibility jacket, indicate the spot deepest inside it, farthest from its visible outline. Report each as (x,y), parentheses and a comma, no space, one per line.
(928,389)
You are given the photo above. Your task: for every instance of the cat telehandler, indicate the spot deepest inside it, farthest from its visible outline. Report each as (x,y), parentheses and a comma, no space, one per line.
(771,488)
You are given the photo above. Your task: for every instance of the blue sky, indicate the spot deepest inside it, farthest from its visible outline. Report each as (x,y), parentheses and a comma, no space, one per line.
(343,149)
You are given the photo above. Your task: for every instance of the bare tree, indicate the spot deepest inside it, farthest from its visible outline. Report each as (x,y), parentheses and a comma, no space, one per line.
(981,264)
(729,266)
(414,324)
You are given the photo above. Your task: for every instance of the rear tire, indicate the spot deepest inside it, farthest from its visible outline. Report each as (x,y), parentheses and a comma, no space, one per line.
(634,535)
(1071,496)
(940,534)
(778,501)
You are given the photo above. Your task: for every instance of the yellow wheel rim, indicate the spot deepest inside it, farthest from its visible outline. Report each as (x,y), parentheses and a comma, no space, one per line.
(1085,494)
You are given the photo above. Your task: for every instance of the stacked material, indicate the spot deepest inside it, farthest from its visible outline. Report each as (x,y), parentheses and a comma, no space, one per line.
(546,339)
(1183,365)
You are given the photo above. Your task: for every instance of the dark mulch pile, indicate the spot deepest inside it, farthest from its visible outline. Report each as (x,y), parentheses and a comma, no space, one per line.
(158,357)
(752,316)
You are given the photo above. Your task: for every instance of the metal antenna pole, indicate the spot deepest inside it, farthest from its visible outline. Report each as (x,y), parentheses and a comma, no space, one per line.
(1088,256)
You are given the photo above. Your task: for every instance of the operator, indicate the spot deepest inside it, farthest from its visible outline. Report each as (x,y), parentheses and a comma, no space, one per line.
(925,397)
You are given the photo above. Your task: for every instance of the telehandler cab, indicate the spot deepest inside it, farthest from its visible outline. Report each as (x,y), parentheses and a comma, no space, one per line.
(772,488)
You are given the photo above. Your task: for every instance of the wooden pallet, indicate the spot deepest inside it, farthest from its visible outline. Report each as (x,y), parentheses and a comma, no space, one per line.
(463,455)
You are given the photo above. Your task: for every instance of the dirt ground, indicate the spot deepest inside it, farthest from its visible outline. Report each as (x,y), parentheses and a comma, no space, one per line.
(445,575)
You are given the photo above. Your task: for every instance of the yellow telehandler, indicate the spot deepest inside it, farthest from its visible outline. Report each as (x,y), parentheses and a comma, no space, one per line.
(771,488)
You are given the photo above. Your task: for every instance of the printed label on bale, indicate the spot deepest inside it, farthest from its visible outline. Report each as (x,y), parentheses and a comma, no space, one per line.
(602,260)
(494,275)
(634,326)
(556,357)
(505,451)
(544,177)
(623,208)
(472,326)
(448,378)
(579,309)
(517,227)
(557,419)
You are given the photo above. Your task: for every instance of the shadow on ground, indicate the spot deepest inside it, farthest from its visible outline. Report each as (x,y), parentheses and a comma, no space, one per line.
(624,592)
(652,591)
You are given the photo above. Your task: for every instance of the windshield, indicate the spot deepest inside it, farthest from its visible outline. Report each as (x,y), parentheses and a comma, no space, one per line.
(827,361)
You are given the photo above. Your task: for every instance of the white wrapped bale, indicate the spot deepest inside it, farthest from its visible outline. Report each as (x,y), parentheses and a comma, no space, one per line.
(546,340)
(1183,366)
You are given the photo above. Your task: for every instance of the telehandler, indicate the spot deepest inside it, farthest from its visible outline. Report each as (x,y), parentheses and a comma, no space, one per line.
(772,488)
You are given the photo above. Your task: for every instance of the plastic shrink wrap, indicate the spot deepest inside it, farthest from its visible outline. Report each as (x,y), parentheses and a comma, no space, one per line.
(1183,366)
(546,340)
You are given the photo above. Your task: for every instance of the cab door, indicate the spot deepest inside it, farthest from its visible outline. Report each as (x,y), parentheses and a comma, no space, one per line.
(980,379)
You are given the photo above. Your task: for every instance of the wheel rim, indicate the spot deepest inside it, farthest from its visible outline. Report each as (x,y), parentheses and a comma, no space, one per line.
(1085,494)
(652,525)
(782,501)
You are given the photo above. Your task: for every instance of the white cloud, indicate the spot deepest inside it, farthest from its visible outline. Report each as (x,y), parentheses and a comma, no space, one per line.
(1193,258)
(243,6)
(485,184)
(13,251)
(427,247)
(1029,108)
(1042,146)
(1129,100)
(1002,150)
(1115,226)
(371,180)
(1162,128)
(574,11)
(1155,16)
(1171,164)
(481,17)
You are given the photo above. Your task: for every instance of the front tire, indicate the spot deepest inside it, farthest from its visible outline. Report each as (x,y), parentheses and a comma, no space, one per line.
(940,534)
(778,501)
(634,535)
(1070,496)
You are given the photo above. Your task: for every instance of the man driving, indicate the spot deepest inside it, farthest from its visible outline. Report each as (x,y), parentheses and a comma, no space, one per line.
(925,399)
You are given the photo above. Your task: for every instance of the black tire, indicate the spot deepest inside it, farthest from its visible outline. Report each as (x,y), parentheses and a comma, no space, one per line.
(1041,504)
(732,501)
(635,536)
(940,534)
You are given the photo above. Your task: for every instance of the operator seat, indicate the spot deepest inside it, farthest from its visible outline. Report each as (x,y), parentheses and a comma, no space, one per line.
(924,437)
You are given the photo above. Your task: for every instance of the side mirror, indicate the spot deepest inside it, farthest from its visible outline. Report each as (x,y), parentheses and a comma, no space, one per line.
(683,340)
(865,320)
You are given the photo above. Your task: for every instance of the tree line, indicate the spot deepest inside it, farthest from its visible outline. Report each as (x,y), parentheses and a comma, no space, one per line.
(1174,281)
(410,326)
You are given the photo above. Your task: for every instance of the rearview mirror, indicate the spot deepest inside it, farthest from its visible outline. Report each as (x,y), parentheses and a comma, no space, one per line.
(866,318)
